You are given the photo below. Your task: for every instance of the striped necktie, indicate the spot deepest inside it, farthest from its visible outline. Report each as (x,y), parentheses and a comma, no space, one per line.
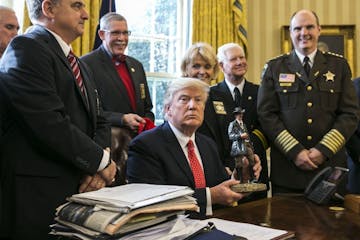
(76,70)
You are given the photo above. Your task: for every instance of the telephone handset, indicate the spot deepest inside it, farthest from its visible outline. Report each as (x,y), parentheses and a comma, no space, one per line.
(323,186)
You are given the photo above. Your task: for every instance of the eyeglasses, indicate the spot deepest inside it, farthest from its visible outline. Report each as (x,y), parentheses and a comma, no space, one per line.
(118,33)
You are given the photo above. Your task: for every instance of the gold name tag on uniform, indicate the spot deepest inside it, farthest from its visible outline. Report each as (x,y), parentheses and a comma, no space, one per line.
(282,84)
(219,107)
(142,91)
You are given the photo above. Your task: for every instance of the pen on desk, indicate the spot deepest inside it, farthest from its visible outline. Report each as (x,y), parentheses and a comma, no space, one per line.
(207,228)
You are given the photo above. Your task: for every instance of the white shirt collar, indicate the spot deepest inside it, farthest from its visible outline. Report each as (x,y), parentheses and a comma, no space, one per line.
(64,46)
(232,86)
(311,57)
(182,138)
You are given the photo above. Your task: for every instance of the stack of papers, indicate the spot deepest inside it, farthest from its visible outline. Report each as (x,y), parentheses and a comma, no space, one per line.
(131,196)
(123,209)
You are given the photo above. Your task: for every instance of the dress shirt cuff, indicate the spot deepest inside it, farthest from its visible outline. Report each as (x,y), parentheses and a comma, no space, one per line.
(209,211)
(104,161)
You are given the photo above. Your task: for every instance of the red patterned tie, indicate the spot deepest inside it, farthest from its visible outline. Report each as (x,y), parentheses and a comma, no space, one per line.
(76,70)
(196,169)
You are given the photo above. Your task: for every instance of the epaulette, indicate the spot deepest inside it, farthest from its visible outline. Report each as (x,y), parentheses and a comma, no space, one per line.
(272,59)
(279,56)
(332,54)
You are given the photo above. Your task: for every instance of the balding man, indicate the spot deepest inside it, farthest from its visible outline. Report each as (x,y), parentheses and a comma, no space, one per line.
(9,27)
(307,106)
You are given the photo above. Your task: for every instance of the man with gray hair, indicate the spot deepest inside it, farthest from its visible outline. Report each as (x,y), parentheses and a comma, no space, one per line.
(120,79)
(56,137)
(9,27)
(174,153)
(233,92)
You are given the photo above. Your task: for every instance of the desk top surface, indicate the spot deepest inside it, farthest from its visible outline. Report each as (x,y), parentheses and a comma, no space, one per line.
(295,213)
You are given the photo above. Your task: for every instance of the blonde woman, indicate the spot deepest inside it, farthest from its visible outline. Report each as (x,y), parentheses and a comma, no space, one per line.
(200,62)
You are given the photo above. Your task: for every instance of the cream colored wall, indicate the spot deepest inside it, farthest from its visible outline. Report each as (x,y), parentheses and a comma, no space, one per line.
(266,17)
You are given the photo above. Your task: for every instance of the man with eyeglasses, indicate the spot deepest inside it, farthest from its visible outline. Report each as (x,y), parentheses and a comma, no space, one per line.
(120,79)
(9,27)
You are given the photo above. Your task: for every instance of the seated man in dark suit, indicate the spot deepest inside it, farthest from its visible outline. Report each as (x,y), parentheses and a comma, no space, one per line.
(174,153)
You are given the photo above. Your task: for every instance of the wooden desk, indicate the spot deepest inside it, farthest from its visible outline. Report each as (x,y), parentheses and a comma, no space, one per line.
(294,213)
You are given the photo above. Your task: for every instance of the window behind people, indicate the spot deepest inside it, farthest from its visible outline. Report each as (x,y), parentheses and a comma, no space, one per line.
(160,31)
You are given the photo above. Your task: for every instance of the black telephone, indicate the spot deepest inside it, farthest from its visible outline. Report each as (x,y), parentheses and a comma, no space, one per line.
(323,186)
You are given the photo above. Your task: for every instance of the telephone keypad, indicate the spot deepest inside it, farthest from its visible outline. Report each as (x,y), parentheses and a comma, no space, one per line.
(322,191)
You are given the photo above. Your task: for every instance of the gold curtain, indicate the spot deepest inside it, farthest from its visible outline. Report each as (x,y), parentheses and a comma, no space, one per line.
(85,43)
(220,21)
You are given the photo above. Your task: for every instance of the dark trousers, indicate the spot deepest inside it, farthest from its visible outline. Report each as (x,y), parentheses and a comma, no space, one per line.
(354,176)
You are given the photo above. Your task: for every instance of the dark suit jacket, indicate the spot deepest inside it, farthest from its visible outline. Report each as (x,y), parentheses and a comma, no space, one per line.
(112,90)
(156,156)
(218,115)
(51,139)
(299,112)
(353,149)
(353,145)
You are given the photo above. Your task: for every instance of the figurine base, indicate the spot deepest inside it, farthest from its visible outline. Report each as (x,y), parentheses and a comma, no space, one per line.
(248,187)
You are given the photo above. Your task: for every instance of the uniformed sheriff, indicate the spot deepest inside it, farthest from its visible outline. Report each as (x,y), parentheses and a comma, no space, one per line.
(308,119)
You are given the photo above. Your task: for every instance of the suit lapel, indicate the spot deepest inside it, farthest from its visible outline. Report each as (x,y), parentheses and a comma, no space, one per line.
(138,92)
(177,153)
(225,94)
(209,119)
(296,67)
(316,70)
(92,98)
(202,146)
(54,45)
(249,99)
(109,69)
(318,67)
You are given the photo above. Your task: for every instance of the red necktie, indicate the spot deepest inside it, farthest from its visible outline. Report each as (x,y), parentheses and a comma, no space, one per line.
(196,169)
(76,70)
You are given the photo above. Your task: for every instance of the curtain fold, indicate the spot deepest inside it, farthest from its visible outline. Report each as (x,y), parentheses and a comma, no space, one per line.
(85,43)
(106,7)
(220,21)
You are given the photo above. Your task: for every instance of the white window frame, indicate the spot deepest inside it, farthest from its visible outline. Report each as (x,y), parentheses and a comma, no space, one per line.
(184,36)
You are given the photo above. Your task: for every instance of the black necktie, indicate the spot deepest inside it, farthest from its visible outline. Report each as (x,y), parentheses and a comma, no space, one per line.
(237,97)
(307,65)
